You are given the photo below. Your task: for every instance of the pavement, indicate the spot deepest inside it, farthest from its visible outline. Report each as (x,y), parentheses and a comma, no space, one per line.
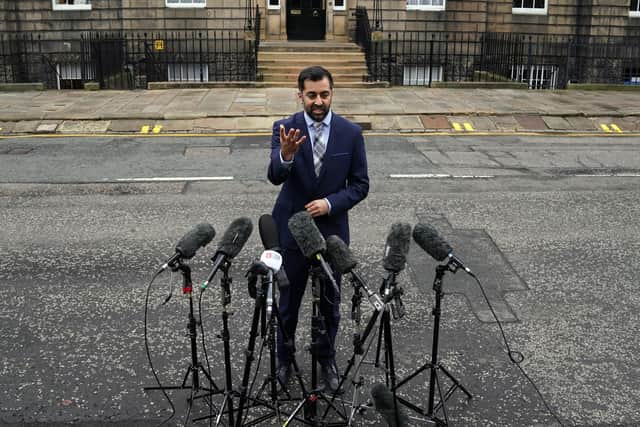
(250,110)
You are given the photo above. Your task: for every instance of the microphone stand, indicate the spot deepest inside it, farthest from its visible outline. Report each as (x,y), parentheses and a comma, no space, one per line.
(318,328)
(391,303)
(195,368)
(225,299)
(267,315)
(434,366)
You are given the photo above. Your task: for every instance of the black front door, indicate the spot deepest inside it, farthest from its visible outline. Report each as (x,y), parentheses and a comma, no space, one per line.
(306,19)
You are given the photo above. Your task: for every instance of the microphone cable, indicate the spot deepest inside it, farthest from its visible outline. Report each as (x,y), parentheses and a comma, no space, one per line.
(209,401)
(146,347)
(515,356)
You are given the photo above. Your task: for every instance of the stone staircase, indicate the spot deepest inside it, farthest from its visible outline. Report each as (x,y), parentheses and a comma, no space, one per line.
(279,62)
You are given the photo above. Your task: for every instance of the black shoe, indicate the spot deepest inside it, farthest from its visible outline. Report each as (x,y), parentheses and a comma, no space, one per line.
(329,377)
(284,374)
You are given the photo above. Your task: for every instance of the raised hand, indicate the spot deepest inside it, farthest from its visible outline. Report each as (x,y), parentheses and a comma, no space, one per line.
(290,142)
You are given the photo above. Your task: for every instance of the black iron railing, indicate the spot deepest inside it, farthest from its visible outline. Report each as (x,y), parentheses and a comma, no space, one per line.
(539,61)
(130,60)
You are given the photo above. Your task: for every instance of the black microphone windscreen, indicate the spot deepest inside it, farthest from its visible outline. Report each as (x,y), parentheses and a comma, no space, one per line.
(397,247)
(429,240)
(306,234)
(235,237)
(383,402)
(269,232)
(197,237)
(339,256)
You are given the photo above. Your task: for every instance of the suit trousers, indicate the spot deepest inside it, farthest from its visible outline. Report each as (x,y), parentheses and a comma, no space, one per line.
(297,269)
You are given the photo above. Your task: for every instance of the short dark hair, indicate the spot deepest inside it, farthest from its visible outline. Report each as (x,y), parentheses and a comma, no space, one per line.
(314,73)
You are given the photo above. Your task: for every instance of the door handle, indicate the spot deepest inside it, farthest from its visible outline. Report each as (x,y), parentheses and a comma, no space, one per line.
(316,13)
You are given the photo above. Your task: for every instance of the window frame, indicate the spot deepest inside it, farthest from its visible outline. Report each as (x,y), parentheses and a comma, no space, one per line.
(634,13)
(431,8)
(531,10)
(273,6)
(191,5)
(70,7)
(343,7)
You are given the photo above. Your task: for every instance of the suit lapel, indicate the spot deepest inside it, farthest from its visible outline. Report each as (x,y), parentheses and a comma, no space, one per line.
(306,148)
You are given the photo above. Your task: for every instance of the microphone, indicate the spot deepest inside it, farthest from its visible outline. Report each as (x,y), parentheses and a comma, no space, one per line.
(383,402)
(433,244)
(199,236)
(397,247)
(310,241)
(270,240)
(340,258)
(394,261)
(232,242)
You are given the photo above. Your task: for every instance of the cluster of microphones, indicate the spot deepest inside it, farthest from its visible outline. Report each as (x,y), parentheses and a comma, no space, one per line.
(332,255)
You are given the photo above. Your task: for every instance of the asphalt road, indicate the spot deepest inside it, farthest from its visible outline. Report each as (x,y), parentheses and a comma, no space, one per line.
(549,225)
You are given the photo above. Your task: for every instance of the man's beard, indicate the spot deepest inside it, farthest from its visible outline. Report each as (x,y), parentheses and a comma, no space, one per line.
(318,113)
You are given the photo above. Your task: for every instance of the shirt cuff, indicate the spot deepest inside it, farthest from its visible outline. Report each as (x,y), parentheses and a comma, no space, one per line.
(285,162)
(328,204)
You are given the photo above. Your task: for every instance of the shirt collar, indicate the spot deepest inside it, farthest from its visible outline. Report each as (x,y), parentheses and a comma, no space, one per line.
(310,121)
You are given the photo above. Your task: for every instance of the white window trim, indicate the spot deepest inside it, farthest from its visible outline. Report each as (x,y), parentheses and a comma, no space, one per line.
(531,10)
(426,7)
(70,6)
(343,7)
(186,5)
(634,14)
(272,6)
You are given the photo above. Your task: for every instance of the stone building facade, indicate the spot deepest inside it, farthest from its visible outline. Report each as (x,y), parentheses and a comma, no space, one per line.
(325,19)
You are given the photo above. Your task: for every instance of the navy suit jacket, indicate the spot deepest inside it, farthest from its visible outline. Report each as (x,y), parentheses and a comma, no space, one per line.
(343,179)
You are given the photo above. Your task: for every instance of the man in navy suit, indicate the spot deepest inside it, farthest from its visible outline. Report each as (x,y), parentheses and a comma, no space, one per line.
(319,158)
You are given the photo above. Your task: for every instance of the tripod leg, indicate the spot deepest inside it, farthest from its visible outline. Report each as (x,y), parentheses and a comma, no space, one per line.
(258,308)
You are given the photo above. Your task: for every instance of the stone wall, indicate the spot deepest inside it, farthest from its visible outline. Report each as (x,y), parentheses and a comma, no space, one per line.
(563,17)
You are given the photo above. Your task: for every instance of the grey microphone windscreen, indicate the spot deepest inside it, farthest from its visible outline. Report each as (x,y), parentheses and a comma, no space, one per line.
(197,237)
(429,240)
(397,247)
(306,234)
(384,405)
(269,232)
(339,256)
(235,237)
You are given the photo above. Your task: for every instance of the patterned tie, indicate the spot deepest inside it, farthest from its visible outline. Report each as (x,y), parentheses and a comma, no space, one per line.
(319,147)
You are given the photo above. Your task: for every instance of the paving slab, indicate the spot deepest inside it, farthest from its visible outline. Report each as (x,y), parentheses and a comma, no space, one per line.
(581,123)
(557,123)
(530,122)
(435,122)
(264,124)
(504,123)
(213,124)
(7,127)
(84,126)
(26,126)
(129,125)
(176,125)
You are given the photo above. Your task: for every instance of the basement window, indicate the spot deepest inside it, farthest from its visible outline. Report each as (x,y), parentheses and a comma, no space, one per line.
(634,9)
(189,72)
(418,75)
(529,7)
(425,4)
(339,4)
(71,4)
(186,3)
(273,4)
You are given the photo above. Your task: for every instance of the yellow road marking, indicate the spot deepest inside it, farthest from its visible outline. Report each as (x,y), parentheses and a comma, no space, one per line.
(616,128)
(457,126)
(468,127)
(605,127)
(157,128)
(145,129)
